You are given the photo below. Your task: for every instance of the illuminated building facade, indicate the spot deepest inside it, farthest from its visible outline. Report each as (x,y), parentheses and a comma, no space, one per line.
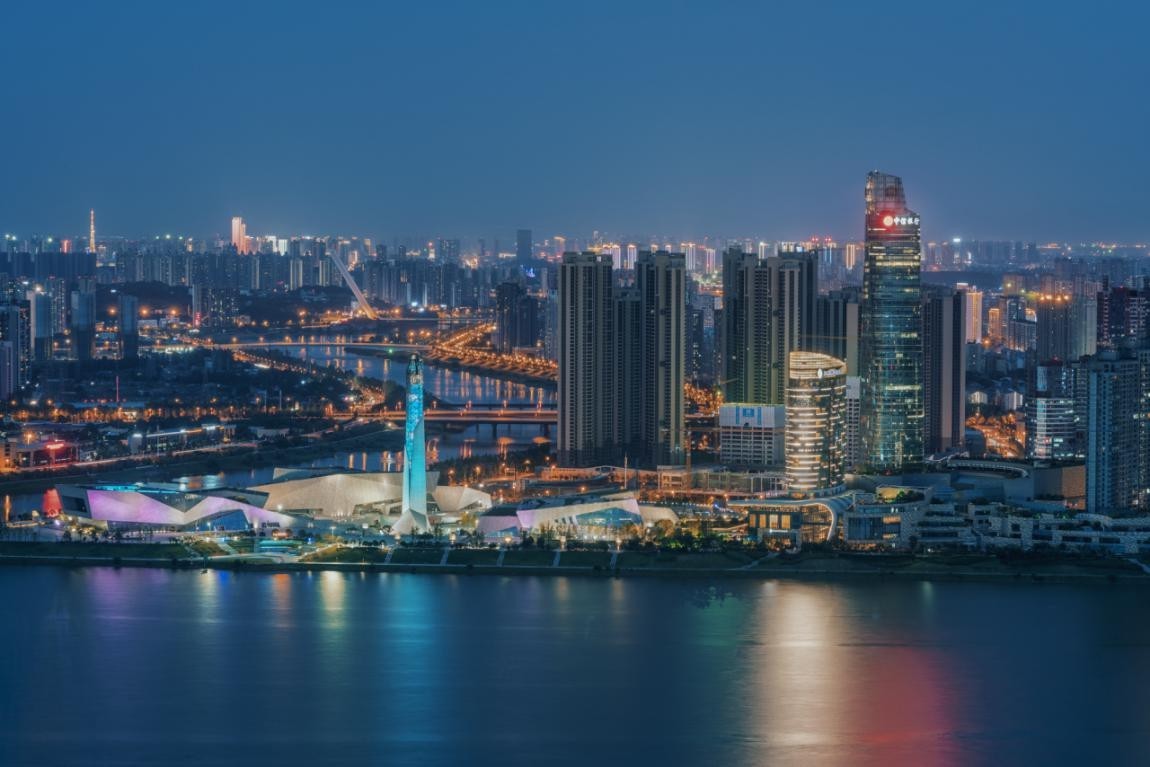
(816,423)
(852,445)
(752,435)
(414,514)
(1117,426)
(973,318)
(890,332)
(1051,423)
(239,234)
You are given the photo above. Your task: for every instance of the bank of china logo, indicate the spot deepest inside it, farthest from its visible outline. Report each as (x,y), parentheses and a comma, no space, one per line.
(900,221)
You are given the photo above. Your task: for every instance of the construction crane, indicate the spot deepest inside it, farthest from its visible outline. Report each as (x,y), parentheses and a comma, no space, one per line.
(368,309)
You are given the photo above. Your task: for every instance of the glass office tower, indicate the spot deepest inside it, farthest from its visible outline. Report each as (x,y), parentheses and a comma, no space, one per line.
(890,330)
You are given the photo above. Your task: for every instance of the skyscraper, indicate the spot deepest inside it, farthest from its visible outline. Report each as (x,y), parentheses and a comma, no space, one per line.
(129,311)
(745,332)
(1051,426)
(92,230)
(413,517)
(1083,325)
(239,234)
(852,444)
(524,245)
(793,289)
(15,329)
(1112,434)
(447,250)
(83,322)
(1053,328)
(628,327)
(586,397)
(816,423)
(944,369)
(837,327)
(890,332)
(660,278)
(973,312)
(9,370)
(40,324)
(516,317)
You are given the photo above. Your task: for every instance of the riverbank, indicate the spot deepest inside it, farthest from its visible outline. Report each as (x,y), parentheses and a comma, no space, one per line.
(604,564)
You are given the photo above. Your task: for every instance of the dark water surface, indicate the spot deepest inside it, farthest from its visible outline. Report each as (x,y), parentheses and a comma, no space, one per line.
(152,667)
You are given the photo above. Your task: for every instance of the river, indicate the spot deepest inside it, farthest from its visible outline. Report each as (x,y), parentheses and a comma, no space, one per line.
(457,386)
(149,667)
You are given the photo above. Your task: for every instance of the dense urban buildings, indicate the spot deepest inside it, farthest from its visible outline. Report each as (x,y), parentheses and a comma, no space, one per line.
(951,348)
(622,359)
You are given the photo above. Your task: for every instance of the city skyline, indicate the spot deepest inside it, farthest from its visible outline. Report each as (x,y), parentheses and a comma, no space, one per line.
(506,237)
(390,131)
(717,383)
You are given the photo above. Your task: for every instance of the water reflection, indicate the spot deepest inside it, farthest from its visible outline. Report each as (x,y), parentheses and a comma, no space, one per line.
(457,386)
(420,669)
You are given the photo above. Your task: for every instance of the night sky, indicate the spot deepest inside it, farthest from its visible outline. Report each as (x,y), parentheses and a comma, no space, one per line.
(1027,120)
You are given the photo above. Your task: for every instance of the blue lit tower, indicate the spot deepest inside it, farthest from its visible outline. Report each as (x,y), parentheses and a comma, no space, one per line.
(890,329)
(414,517)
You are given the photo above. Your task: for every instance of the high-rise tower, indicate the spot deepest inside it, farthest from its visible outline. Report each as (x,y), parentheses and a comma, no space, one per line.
(239,234)
(587,381)
(414,506)
(793,276)
(944,369)
(745,332)
(1053,328)
(1112,433)
(890,332)
(524,245)
(661,280)
(92,230)
(816,423)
